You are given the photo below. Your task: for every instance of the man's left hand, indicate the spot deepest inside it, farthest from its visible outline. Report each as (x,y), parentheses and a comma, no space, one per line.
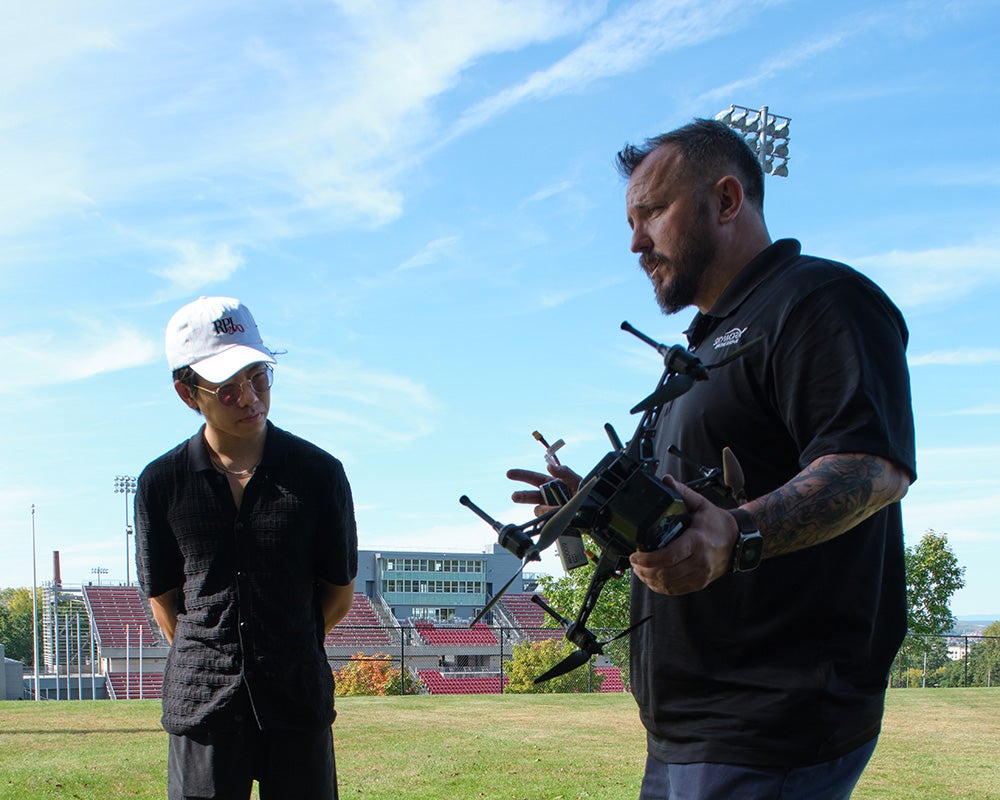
(700,555)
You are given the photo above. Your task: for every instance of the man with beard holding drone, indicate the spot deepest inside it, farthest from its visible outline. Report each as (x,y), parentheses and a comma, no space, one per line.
(765,677)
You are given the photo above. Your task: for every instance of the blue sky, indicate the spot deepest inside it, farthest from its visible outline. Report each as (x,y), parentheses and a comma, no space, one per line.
(418,202)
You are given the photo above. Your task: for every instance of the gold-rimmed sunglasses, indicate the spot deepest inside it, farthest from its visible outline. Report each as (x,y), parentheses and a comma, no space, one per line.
(229,394)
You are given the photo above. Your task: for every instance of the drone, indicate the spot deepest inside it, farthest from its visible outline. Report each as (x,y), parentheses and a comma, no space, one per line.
(620,504)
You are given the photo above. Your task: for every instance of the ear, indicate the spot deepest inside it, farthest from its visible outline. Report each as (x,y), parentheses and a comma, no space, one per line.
(729,196)
(186,393)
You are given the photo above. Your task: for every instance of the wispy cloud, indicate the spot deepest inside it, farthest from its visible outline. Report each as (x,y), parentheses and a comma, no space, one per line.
(911,20)
(363,403)
(957,358)
(935,276)
(976,411)
(431,253)
(48,358)
(620,44)
(315,130)
(196,266)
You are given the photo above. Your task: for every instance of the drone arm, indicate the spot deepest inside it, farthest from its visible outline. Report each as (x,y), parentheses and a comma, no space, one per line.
(606,566)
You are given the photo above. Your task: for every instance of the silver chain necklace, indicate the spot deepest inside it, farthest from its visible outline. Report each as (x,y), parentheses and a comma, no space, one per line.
(238,473)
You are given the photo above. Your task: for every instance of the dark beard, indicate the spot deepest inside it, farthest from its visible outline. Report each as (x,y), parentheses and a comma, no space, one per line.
(694,253)
(678,293)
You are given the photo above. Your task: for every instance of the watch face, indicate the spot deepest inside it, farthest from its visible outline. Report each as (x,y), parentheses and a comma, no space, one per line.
(750,553)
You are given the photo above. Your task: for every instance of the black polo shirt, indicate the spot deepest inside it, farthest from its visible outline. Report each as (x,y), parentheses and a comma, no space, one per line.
(248,610)
(786,665)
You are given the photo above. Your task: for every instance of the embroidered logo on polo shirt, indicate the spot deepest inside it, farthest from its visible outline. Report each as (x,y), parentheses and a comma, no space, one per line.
(729,338)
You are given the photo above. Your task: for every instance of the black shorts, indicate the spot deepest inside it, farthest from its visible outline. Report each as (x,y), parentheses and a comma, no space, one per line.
(222,764)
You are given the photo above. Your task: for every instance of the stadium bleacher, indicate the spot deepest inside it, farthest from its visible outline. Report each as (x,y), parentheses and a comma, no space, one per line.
(119,616)
(360,627)
(133,686)
(477,636)
(529,617)
(612,679)
(440,683)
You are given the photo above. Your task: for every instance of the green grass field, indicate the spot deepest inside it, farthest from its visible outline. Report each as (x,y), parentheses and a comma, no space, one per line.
(936,743)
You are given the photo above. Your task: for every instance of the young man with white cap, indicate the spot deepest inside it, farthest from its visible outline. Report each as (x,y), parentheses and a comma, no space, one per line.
(246,546)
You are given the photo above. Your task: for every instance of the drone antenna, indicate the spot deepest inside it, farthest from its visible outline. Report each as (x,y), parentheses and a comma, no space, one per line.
(676,359)
(465,501)
(662,349)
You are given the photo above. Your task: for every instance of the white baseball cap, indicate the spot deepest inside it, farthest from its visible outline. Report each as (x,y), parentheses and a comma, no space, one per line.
(216,337)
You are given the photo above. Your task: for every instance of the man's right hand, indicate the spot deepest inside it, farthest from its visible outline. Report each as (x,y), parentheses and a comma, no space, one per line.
(534,497)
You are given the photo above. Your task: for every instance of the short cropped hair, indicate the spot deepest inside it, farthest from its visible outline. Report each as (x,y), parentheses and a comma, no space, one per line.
(186,375)
(710,149)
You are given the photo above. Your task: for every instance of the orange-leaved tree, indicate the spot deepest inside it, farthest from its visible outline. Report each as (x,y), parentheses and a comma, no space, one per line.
(373,675)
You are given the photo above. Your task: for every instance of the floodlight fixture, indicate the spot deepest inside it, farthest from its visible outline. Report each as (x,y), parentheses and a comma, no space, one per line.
(726,117)
(765,133)
(126,484)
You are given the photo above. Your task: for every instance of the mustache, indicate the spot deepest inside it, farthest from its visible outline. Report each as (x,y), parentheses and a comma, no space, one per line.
(651,260)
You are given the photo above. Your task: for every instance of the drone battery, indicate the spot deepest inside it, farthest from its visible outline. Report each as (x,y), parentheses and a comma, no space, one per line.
(554,493)
(571,551)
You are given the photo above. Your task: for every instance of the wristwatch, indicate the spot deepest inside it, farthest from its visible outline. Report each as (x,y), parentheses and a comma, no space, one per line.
(750,544)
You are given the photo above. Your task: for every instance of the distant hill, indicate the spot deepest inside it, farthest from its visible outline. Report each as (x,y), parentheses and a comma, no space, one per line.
(973,625)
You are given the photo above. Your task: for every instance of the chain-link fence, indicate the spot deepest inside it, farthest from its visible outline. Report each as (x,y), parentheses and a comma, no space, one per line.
(497,658)
(461,660)
(927,661)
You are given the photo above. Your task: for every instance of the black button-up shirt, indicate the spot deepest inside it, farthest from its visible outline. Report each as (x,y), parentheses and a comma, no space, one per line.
(248,607)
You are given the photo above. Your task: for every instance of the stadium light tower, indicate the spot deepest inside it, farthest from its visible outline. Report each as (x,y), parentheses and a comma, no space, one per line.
(125,484)
(766,133)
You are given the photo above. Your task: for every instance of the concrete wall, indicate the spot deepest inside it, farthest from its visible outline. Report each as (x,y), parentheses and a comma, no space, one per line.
(11,678)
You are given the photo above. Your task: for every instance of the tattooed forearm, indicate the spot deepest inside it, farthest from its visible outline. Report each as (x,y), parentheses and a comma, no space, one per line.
(830,496)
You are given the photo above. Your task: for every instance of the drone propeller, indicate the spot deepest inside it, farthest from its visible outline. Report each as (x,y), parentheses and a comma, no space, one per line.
(671,389)
(732,474)
(560,521)
(580,657)
(728,482)
(575,659)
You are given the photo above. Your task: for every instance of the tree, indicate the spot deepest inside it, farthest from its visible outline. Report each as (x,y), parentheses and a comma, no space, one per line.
(933,575)
(984,658)
(531,659)
(15,624)
(566,595)
(373,675)
(609,617)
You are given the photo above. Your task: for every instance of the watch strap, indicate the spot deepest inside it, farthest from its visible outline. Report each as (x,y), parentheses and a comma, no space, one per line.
(744,521)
